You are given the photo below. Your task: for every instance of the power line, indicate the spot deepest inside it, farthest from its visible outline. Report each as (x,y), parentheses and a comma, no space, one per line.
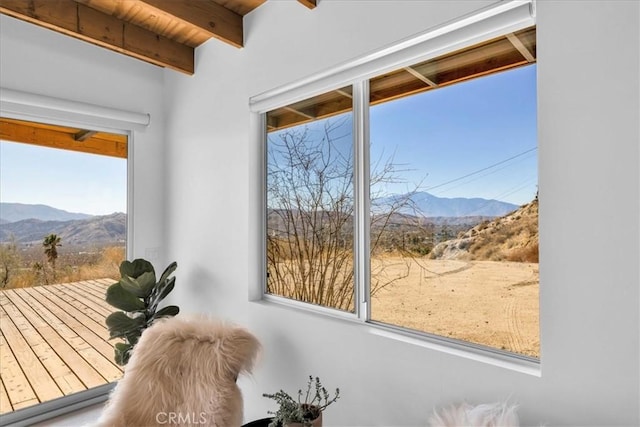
(482,170)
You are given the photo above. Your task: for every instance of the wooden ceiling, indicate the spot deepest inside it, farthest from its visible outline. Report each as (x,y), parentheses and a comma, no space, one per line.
(503,53)
(66,138)
(162,32)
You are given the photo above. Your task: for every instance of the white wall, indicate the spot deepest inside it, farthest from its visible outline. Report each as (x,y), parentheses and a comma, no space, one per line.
(589,187)
(588,83)
(44,62)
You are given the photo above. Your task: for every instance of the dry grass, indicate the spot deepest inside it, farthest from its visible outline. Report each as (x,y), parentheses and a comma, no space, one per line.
(485,302)
(70,268)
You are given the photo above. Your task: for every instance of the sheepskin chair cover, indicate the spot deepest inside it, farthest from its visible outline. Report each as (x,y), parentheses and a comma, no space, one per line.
(183,372)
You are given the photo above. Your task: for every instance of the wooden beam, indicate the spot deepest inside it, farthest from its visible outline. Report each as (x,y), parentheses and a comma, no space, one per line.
(63,138)
(515,41)
(214,19)
(83,135)
(343,93)
(311,4)
(420,76)
(90,25)
(299,112)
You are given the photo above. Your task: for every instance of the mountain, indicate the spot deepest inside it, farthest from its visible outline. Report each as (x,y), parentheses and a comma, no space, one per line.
(428,205)
(96,230)
(513,237)
(12,212)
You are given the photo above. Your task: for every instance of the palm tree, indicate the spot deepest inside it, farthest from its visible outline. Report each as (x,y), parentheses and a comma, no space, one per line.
(51,243)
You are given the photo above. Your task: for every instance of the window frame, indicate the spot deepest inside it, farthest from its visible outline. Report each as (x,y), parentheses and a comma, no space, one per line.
(61,112)
(487,23)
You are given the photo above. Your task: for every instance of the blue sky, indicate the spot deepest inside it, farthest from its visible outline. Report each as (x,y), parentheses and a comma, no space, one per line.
(472,139)
(68,180)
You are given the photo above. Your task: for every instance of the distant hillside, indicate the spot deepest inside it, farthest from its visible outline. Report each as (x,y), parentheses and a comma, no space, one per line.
(12,212)
(428,205)
(513,237)
(95,230)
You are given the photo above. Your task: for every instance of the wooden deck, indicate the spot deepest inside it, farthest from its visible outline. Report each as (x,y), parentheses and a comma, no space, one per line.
(54,342)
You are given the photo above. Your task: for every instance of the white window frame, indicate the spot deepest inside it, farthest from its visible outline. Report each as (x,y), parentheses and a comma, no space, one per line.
(55,111)
(491,22)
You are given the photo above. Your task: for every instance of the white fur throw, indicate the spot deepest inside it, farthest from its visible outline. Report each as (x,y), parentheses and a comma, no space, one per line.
(485,415)
(183,372)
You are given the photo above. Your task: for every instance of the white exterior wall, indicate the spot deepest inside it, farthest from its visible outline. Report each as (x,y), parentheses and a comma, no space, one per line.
(589,132)
(43,62)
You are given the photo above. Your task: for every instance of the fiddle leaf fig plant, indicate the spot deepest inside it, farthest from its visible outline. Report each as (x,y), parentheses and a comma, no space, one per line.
(136,296)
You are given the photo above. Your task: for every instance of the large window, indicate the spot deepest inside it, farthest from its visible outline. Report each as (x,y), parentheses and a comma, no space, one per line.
(408,199)
(63,234)
(310,201)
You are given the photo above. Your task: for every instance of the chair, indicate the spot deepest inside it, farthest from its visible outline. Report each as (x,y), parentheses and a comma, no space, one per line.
(183,372)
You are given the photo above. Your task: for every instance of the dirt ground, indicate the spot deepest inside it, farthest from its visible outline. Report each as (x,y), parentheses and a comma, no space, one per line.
(486,302)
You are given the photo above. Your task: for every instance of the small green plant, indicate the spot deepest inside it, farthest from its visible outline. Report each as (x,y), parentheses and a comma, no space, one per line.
(304,411)
(137,294)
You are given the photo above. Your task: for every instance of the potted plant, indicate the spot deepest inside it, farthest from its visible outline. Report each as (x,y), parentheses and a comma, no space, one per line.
(302,412)
(137,295)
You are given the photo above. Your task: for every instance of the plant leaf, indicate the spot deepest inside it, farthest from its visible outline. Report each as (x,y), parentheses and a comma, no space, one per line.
(161,291)
(168,311)
(136,268)
(120,324)
(147,282)
(122,299)
(122,353)
(131,285)
(167,288)
(167,271)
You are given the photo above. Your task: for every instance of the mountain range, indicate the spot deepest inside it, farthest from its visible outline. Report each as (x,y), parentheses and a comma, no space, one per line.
(74,229)
(12,212)
(30,223)
(428,205)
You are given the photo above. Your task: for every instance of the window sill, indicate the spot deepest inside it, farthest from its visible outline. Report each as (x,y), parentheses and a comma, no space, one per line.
(57,407)
(502,359)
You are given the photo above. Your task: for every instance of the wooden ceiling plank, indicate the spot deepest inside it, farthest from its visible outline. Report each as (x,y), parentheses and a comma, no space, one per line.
(515,41)
(22,132)
(214,19)
(311,4)
(82,22)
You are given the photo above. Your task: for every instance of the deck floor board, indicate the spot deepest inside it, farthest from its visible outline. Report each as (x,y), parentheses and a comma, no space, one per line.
(53,342)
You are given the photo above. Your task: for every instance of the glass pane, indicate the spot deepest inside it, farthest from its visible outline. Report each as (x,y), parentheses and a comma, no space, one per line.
(310,201)
(454,209)
(63,229)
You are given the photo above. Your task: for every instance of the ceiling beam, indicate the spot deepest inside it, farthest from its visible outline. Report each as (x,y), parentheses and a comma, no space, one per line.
(85,23)
(420,76)
(210,17)
(300,112)
(83,135)
(311,4)
(343,93)
(515,41)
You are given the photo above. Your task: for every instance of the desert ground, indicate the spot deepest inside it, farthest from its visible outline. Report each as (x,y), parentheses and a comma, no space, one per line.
(491,303)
